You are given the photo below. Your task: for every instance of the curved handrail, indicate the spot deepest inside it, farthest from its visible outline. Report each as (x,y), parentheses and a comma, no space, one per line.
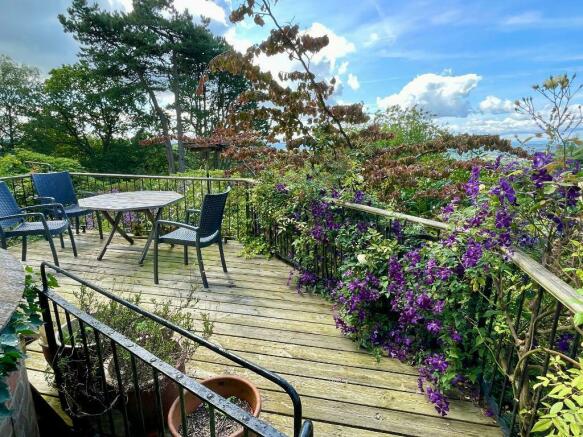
(271,376)
(536,271)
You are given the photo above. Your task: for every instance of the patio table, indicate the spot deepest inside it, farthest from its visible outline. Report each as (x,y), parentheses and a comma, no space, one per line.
(150,202)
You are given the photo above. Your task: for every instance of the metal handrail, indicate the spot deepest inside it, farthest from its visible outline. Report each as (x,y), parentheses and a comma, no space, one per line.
(193,386)
(186,178)
(271,376)
(533,269)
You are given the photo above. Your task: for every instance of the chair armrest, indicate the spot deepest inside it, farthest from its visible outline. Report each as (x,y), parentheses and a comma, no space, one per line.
(54,206)
(176,224)
(40,216)
(47,199)
(190,211)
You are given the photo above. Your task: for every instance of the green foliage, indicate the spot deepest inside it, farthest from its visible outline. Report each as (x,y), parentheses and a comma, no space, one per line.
(81,370)
(562,414)
(408,125)
(23,161)
(25,321)
(19,94)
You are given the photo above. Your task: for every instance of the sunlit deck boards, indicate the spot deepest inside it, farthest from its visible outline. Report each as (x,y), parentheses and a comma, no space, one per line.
(344,390)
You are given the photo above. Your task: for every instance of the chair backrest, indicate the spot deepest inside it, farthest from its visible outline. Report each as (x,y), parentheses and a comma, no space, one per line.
(211,213)
(8,206)
(57,185)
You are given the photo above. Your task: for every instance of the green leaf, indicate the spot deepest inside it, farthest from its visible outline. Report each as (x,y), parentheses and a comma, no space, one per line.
(542,425)
(578,319)
(556,408)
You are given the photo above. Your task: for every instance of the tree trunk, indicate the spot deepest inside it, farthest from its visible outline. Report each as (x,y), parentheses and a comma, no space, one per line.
(165,126)
(178,109)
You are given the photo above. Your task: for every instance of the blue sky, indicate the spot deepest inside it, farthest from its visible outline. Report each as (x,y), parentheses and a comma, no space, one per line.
(465,61)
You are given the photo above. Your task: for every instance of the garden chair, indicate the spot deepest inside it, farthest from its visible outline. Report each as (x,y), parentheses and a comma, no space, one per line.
(58,188)
(207,232)
(17,222)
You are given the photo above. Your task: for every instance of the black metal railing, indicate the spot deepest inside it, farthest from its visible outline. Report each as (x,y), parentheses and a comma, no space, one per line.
(538,311)
(86,356)
(238,210)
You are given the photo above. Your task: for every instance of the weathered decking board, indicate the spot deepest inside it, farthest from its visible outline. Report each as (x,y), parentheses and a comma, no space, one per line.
(344,390)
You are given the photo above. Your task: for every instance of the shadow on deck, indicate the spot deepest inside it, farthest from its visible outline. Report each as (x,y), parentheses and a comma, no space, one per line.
(344,390)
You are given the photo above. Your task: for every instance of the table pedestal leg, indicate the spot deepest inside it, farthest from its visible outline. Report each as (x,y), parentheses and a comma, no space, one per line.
(114,225)
(153,219)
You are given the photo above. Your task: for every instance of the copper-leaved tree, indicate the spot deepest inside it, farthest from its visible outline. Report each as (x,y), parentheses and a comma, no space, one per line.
(295,107)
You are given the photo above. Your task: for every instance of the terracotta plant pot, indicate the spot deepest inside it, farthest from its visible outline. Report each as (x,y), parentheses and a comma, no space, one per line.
(225,386)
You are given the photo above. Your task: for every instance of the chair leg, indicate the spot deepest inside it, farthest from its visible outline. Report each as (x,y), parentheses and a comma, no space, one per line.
(53,250)
(62,241)
(185,255)
(156,260)
(73,245)
(77,224)
(222,256)
(201,267)
(99,224)
(24,241)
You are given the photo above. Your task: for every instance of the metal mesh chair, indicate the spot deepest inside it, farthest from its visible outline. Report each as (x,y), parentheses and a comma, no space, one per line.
(18,222)
(207,232)
(58,188)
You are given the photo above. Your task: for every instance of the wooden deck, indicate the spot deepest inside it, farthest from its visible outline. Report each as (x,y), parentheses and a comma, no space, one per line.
(344,390)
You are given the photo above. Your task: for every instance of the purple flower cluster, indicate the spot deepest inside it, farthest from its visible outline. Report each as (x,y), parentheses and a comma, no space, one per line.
(306,279)
(505,191)
(281,188)
(541,159)
(564,342)
(448,209)
(503,219)
(472,255)
(472,187)
(354,293)
(433,366)
(358,196)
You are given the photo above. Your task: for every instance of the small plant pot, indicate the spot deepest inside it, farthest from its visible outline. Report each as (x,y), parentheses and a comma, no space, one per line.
(146,396)
(66,350)
(225,386)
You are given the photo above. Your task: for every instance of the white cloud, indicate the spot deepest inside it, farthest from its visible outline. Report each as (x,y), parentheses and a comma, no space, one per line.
(530,17)
(495,105)
(337,48)
(239,43)
(353,81)
(206,8)
(325,64)
(440,95)
(511,124)
(372,39)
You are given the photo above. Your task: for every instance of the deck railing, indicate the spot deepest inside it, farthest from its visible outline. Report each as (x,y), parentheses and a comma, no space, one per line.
(540,311)
(237,210)
(95,352)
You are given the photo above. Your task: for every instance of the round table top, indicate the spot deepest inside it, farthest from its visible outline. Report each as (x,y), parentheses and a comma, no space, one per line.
(12,287)
(130,200)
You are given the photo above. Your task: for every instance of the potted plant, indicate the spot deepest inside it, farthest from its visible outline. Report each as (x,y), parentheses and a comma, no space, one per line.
(152,336)
(233,388)
(73,342)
